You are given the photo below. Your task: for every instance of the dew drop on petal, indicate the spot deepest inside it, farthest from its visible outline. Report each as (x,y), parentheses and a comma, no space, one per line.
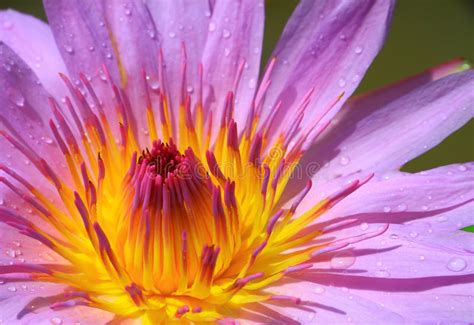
(172,34)
(319,290)
(252,83)
(68,48)
(456,264)
(343,260)
(226,33)
(402,207)
(212,26)
(12,288)
(17,98)
(364,226)
(442,218)
(462,168)
(358,49)
(56,320)
(387,209)
(344,160)
(382,274)
(341,82)
(413,234)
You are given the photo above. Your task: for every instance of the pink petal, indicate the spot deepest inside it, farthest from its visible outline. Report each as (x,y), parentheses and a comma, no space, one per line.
(137,44)
(327,46)
(377,137)
(33,41)
(181,22)
(25,115)
(403,197)
(234,38)
(82,37)
(411,271)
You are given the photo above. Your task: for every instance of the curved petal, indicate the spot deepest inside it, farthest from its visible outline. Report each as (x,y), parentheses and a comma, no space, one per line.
(412,124)
(136,44)
(232,55)
(326,46)
(406,264)
(18,291)
(33,41)
(25,114)
(402,193)
(181,22)
(82,37)
(343,302)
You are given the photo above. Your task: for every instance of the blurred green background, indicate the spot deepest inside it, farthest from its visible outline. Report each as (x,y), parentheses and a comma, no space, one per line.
(424,33)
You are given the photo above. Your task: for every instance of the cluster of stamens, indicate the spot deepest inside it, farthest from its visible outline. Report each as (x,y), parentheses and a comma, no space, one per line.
(181,230)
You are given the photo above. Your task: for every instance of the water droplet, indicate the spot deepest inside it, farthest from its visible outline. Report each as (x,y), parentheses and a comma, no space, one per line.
(343,260)
(462,168)
(7,25)
(212,26)
(47,140)
(342,37)
(382,274)
(319,290)
(341,82)
(12,289)
(151,33)
(413,234)
(422,257)
(364,226)
(355,78)
(109,55)
(442,218)
(402,207)
(358,49)
(226,51)
(456,264)
(226,33)
(252,83)
(17,98)
(387,209)
(344,160)
(128,12)
(394,236)
(68,48)
(11,253)
(172,34)
(56,320)
(91,48)
(424,207)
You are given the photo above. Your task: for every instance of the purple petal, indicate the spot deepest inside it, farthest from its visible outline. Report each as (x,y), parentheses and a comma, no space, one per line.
(33,41)
(377,137)
(234,38)
(82,37)
(136,43)
(24,115)
(408,263)
(402,195)
(326,46)
(326,298)
(181,22)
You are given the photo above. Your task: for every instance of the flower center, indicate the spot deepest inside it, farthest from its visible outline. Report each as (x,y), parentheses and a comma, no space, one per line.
(185,230)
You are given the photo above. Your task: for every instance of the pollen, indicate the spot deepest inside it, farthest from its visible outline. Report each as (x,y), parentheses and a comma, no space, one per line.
(186,227)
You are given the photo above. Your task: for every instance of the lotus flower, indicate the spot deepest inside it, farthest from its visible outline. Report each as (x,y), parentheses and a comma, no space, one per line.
(149,175)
